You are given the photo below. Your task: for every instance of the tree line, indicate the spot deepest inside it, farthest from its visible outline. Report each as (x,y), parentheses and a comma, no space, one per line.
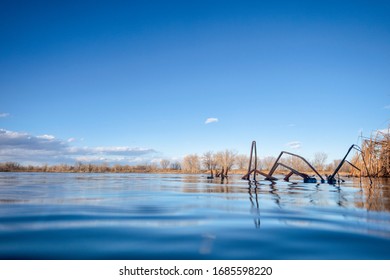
(216,164)
(80,167)
(220,163)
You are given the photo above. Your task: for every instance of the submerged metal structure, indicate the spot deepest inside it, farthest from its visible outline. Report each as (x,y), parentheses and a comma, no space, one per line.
(254,170)
(306,178)
(331,179)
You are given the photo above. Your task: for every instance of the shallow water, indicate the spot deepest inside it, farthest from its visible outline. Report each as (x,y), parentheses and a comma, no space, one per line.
(164,216)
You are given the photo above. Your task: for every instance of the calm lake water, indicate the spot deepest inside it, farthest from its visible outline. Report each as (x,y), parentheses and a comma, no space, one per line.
(164,216)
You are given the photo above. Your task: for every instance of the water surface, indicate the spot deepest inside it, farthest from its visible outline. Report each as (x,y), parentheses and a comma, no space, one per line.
(165,216)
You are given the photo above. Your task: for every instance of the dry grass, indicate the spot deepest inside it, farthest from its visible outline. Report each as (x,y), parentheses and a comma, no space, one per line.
(375,154)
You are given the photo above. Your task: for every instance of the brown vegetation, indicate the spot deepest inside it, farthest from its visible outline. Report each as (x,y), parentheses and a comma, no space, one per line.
(375,156)
(87,168)
(221,162)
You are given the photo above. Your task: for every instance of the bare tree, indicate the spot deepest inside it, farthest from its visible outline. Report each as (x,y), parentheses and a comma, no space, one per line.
(332,166)
(191,163)
(10,167)
(242,161)
(319,161)
(176,165)
(151,167)
(268,162)
(209,162)
(225,161)
(164,163)
(295,163)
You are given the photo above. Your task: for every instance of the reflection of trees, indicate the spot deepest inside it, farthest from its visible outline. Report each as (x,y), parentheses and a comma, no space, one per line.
(196,184)
(375,196)
(194,179)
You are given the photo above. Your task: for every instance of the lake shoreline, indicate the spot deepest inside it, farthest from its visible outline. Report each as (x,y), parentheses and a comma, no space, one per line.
(202,172)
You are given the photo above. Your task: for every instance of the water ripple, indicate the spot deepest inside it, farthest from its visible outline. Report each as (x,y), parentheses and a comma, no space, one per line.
(138,216)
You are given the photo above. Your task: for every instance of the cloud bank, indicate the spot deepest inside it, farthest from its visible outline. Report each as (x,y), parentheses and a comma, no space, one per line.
(29,149)
(211,120)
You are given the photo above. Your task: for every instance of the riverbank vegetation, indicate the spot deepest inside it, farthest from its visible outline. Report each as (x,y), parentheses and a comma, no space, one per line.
(375,155)
(215,164)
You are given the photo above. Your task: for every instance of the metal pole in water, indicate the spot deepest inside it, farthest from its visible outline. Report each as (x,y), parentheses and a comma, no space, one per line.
(254,173)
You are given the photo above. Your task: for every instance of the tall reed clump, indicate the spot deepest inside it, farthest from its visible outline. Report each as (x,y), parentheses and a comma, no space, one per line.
(376,155)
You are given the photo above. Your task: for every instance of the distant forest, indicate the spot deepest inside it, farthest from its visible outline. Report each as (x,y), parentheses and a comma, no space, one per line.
(81,167)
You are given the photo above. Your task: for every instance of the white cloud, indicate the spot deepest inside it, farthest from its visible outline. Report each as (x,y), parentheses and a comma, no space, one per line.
(91,159)
(211,120)
(23,147)
(387,107)
(4,115)
(46,137)
(294,144)
(71,140)
(292,125)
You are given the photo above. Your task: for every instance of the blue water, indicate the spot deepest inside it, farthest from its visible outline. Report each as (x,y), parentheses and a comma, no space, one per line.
(143,216)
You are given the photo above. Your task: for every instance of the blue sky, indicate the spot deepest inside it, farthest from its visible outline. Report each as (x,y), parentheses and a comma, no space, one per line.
(135,81)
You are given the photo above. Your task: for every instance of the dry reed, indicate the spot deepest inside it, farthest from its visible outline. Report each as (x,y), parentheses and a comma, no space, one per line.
(376,155)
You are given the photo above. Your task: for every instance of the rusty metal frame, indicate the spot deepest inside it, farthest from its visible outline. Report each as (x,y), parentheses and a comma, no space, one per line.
(331,179)
(292,170)
(254,170)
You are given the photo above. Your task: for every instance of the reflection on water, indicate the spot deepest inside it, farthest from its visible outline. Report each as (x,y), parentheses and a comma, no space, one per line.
(255,209)
(152,216)
(372,197)
(376,197)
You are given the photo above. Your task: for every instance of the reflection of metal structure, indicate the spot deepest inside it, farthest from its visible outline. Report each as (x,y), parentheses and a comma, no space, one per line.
(331,178)
(306,177)
(255,210)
